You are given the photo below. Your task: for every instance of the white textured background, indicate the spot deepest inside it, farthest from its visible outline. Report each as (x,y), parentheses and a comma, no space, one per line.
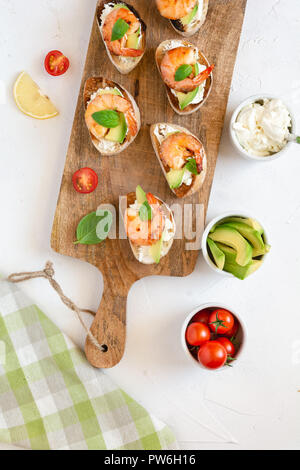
(257,403)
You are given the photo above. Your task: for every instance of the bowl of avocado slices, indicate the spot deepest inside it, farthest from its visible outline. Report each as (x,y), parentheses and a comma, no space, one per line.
(235,245)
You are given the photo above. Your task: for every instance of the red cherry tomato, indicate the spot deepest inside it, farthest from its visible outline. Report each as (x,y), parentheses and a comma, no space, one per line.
(85,180)
(212,355)
(202,316)
(197,334)
(233,332)
(230,349)
(221,321)
(56,63)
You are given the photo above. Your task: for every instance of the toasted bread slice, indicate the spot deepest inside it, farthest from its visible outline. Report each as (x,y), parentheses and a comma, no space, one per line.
(92,85)
(160,52)
(190,30)
(123,64)
(197,180)
(136,250)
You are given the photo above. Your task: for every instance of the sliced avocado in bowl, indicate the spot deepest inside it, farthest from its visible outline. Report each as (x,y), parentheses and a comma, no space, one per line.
(252,235)
(174,178)
(231,237)
(217,255)
(230,264)
(118,134)
(190,16)
(251,222)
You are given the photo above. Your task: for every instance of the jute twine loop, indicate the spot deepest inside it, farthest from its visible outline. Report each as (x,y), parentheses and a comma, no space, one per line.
(48,273)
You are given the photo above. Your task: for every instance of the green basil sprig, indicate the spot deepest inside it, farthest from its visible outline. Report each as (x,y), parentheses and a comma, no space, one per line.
(119,30)
(87,228)
(192,166)
(183,72)
(107,118)
(145,212)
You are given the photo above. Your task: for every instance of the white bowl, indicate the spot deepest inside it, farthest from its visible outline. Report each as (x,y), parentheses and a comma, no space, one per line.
(208,228)
(241,336)
(236,142)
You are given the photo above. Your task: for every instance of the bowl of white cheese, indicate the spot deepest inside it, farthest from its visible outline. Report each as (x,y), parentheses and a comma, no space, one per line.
(262,128)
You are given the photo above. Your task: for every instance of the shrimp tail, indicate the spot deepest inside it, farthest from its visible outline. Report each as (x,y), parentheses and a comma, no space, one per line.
(203,75)
(127,52)
(132,124)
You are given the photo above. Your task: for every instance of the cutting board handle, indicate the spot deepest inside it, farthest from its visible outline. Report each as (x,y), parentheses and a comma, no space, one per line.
(109,325)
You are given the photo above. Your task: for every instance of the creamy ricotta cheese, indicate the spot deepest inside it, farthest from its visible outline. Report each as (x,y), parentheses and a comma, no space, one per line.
(162,131)
(263,129)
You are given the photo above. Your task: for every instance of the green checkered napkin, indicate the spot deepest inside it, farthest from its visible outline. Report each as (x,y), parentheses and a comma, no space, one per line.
(51,398)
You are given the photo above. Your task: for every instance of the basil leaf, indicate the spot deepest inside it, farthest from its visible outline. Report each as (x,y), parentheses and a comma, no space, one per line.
(119,30)
(107,118)
(145,211)
(298,140)
(183,72)
(87,229)
(192,166)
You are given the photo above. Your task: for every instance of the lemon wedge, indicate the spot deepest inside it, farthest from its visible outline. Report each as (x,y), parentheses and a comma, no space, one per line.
(30,99)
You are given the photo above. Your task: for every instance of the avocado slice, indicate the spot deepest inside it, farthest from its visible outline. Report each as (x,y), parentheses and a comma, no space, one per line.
(114,91)
(155,250)
(118,134)
(133,40)
(251,222)
(256,264)
(140,195)
(230,265)
(190,16)
(186,98)
(229,236)
(120,5)
(174,178)
(253,236)
(217,254)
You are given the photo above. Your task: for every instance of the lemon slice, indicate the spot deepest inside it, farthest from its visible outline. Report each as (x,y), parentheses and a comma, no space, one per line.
(30,99)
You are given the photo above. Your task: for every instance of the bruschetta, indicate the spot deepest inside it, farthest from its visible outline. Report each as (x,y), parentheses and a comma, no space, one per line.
(123,33)
(150,226)
(186,73)
(181,156)
(111,115)
(186,16)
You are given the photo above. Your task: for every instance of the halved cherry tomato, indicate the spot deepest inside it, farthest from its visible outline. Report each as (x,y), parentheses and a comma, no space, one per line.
(212,355)
(202,316)
(197,334)
(85,180)
(221,321)
(56,63)
(230,349)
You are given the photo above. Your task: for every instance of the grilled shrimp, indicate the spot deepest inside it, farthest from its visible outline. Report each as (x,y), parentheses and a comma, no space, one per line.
(145,232)
(111,102)
(172,60)
(175,9)
(177,148)
(118,47)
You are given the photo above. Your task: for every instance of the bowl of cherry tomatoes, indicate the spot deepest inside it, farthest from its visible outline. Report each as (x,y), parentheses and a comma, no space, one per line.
(213,337)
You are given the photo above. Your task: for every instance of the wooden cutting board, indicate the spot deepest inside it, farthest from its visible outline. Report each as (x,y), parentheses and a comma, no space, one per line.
(218,39)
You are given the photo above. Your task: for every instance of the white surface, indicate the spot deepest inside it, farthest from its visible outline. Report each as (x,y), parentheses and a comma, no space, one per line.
(253,405)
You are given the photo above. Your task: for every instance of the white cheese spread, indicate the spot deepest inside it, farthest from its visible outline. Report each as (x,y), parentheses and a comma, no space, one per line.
(263,129)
